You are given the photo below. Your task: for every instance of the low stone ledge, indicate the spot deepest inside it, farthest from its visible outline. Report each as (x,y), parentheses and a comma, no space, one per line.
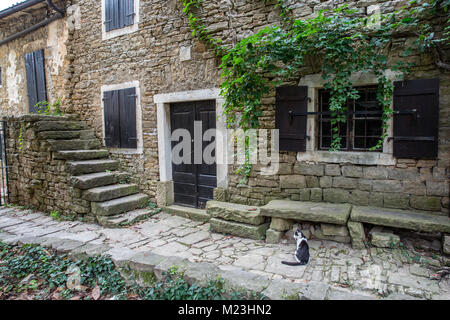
(239,229)
(145,261)
(235,212)
(188,213)
(333,213)
(406,219)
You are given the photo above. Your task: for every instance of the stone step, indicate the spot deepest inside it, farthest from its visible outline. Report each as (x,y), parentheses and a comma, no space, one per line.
(110,192)
(126,218)
(59,125)
(405,219)
(235,212)
(44,117)
(336,213)
(67,135)
(74,144)
(239,229)
(91,166)
(92,180)
(187,212)
(119,205)
(81,154)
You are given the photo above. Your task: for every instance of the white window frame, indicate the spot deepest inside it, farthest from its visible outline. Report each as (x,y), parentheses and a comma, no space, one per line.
(313,154)
(140,141)
(122,31)
(163,102)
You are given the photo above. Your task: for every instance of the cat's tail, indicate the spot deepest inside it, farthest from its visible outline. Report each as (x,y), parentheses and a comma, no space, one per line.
(293,263)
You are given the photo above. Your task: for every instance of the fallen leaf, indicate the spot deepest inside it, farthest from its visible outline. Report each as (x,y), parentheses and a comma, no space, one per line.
(96,293)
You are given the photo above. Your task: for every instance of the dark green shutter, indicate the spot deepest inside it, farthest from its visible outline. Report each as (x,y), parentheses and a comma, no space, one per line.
(292,129)
(111,117)
(108,15)
(128,118)
(416,119)
(120,118)
(128,12)
(35,70)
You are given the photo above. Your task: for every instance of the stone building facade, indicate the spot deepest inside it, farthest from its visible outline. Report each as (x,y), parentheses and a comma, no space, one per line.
(159,57)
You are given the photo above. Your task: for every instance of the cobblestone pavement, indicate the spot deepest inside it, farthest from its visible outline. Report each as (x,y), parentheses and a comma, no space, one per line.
(351,274)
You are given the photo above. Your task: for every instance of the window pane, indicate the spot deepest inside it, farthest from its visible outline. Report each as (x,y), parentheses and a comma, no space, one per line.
(371,142)
(360,127)
(374,127)
(360,143)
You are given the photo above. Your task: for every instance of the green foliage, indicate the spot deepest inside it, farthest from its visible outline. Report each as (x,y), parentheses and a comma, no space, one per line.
(338,42)
(17,263)
(21,134)
(44,107)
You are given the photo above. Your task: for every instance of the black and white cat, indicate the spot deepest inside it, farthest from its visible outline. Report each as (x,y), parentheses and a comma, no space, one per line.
(302,251)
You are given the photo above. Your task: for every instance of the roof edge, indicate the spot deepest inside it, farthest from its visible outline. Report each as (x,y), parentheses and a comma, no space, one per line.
(18,7)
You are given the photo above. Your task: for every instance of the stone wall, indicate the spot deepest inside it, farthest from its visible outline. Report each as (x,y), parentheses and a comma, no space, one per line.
(152,56)
(35,177)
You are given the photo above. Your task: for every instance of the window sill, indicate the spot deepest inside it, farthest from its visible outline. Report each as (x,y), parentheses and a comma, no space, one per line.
(119,32)
(363,158)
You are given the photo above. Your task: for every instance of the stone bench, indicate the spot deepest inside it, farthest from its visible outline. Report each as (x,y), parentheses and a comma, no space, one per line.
(334,213)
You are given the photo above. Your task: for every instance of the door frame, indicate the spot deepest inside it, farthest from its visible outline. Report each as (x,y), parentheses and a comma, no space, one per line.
(163,102)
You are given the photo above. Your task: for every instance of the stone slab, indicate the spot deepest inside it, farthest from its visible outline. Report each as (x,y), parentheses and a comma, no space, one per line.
(188,213)
(406,219)
(308,211)
(239,229)
(235,212)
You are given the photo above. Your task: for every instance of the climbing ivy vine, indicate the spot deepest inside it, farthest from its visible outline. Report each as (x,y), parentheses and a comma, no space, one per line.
(339,42)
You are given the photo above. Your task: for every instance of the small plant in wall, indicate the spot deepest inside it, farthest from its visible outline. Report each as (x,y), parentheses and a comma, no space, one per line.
(44,107)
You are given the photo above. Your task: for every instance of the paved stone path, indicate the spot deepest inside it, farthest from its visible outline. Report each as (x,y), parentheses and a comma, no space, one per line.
(336,271)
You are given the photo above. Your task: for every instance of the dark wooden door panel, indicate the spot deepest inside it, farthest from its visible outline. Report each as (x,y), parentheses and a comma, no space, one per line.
(193,183)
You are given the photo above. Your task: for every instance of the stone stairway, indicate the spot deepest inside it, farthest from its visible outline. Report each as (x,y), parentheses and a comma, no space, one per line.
(113,200)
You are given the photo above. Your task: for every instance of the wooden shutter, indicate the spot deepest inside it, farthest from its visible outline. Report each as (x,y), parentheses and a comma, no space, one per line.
(127,104)
(289,101)
(416,118)
(111,116)
(128,12)
(109,4)
(35,70)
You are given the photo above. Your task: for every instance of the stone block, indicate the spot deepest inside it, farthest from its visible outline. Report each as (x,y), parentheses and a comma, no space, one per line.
(345,183)
(446,244)
(335,195)
(316,194)
(164,193)
(375,173)
(426,203)
(387,186)
(293,181)
(334,230)
(318,234)
(239,229)
(357,234)
(359,197)
(220,194)
(273,236)
(234,212)
(309,169)
(305,194)
(312,181)
(279,224)
(332,170)
(414,187)
(325,182)
(437,188)
(395,200)
(352,171)
(403,174)
(384,239)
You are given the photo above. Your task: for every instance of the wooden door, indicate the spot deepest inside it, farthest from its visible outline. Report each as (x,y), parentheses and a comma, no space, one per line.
(193,183)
